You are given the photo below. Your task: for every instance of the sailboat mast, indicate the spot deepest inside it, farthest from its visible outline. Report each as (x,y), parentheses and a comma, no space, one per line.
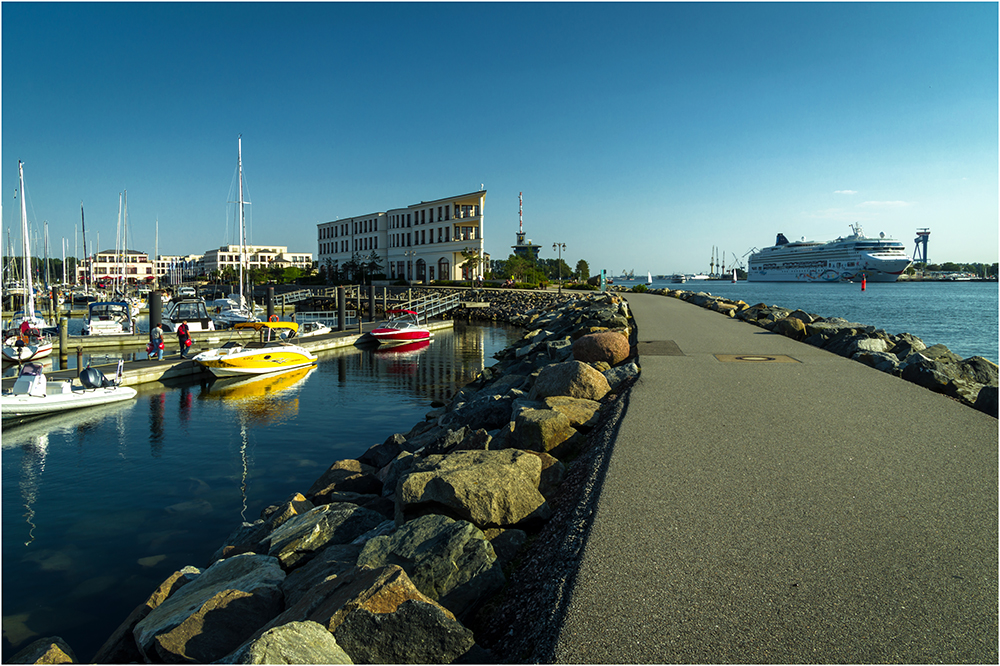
(29,291)
(239,164)
(83,224)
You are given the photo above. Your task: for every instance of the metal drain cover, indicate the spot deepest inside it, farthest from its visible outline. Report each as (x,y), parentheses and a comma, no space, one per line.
(755,358)
(658,348)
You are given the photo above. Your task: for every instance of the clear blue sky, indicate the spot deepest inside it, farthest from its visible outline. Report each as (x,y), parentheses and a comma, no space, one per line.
(641,134)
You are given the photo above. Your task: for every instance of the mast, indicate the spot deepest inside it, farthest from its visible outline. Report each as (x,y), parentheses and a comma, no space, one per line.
(83,224)
(239,164)
(29,291)
(45,251)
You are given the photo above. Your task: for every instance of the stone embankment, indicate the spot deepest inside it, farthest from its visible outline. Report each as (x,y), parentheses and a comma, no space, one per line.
(972,381)
(403,554)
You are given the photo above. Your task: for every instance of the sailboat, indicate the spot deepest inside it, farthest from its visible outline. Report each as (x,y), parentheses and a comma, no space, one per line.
(25,341)
(734,276)
(242,311)
(649,279)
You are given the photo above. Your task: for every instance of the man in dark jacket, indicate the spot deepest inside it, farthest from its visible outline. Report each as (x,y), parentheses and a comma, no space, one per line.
(184,338)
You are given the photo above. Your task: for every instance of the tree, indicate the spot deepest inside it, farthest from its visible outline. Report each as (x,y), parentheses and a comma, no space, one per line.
(582,270)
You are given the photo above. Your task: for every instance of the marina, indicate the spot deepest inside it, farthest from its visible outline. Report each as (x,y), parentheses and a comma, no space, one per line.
(100,506)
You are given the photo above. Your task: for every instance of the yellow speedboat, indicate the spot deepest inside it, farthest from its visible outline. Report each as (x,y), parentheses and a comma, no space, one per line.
(271,352)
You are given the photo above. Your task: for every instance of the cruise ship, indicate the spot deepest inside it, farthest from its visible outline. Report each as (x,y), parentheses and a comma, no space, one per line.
(845,259)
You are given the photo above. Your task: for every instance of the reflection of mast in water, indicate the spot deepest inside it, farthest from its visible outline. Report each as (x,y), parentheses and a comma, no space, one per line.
(243,457)
(32,467)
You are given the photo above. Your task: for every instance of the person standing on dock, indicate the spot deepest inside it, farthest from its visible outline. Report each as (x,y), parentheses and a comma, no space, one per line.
(184,338)
(156,341)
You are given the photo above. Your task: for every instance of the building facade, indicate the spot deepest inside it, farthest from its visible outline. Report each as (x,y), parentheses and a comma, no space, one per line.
(424,242)
(131,267)
(258,256)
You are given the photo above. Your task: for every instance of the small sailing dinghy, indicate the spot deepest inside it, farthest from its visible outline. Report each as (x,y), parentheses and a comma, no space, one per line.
(33,396)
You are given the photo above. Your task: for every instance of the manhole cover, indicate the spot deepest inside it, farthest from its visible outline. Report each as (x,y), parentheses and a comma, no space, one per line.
(755,358)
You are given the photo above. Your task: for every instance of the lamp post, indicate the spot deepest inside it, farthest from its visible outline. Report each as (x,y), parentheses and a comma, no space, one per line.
(560,247)
(409,254)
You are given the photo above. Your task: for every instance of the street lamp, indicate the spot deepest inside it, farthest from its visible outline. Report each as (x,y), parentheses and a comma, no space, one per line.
(560,247)
(409,254)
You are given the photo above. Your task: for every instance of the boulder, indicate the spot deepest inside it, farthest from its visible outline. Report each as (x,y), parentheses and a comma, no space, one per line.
(582,414)
(986,402)
(292,643)
(299,539)
(790,327)
(209,617)
(248,536)
(380,455)
(345,475)
(553,473)
(621,373)
(372,592)
(506,544)
(543,430)
(610,347)
(573,378)
(448,560)
(941,354)
(927,373)
(120,648)
(51,650)
(416,633)
(486,488)
(335,560)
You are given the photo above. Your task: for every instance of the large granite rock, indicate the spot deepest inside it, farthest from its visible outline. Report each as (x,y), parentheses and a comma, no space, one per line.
(416,633)
(120,648)
(573,379)
(448,560)
(51,650)
(582,414)
(210,616)
(299,539)
(293,643)
(345,475)
(486,488)
(545,430)
(247,537)
(610,347)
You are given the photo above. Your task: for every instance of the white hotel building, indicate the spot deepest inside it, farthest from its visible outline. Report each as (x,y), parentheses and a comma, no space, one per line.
(422,242)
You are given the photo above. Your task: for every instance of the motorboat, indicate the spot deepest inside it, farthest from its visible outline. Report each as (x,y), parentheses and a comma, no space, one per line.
(270,352)
(227,312)
(308,329)
(108,318)
(401,326)
(678,278)
(32,395)
(22,347)
(190,310)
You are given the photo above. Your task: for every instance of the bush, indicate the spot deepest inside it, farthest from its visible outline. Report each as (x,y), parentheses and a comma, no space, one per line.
(582,287)
(639,288)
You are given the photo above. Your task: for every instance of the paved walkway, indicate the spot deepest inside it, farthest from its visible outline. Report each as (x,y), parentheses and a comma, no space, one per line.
(810,511)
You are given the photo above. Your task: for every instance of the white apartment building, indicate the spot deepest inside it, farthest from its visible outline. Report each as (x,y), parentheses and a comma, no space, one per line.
(423,242)
(179,268)
(258,256)
(131,266)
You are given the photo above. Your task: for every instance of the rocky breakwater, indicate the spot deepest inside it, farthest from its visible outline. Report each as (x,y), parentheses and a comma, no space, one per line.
(972,381)
(507,305)
(402,555)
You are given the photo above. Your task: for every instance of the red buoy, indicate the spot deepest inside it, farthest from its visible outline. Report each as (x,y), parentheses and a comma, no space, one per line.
(864,282)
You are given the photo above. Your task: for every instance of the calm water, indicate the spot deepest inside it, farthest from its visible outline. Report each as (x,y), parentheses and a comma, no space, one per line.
(100,507)
(961,315)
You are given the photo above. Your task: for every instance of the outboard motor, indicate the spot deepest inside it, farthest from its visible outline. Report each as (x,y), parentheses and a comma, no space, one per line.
(92,378)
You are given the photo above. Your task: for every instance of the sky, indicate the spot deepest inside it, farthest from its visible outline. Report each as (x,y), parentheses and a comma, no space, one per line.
(642,135)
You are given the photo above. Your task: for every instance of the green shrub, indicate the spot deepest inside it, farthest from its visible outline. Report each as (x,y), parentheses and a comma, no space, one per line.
(639,288)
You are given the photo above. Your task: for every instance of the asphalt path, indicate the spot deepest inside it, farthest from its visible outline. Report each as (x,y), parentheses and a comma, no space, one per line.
(806,509)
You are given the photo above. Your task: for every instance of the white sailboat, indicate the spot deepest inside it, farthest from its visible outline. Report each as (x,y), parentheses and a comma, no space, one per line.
(28,344)
(649,278)
(242,311)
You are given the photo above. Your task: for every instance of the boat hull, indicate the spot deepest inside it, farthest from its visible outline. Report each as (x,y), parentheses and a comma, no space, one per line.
(254,362)
(820,275)
(392,336)
(29,352)
(14,407)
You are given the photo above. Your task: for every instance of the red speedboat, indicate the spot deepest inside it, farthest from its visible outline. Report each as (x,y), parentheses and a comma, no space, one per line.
(401,326)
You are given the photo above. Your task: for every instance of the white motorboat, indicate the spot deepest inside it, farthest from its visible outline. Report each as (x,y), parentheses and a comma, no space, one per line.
(108,318)
(33,396)
(308,329)
(192,310)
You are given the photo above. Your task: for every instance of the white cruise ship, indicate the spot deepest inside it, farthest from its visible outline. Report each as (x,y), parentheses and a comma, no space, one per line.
(845,259)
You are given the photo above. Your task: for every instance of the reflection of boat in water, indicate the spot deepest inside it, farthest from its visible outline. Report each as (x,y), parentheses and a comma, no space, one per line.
(252,396)
(271,352)
(32,396)
(407,350)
